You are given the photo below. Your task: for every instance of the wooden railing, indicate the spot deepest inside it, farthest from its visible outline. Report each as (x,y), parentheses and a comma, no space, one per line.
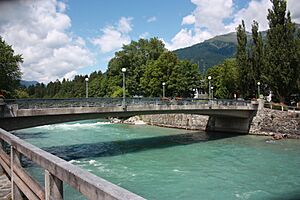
(57,172)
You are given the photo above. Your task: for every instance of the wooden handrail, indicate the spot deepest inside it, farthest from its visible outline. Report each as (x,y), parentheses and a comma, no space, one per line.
(91,186)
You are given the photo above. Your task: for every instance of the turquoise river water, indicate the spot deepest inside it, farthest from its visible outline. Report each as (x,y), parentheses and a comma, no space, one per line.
(171,164)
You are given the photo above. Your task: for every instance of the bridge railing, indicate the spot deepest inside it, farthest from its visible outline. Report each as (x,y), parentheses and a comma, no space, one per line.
(57,172)
(110,102)
(282,107)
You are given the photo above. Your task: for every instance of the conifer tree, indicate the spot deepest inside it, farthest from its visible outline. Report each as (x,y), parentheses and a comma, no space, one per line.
(242,62)
(281,71)
(257,54)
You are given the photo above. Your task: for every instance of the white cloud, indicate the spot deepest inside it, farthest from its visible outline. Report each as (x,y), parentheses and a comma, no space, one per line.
(39,31)
(144,35)
(125,25)
(61,6)
(114,37)
(70,75)
(209,19)
(190,19)
(56,38)
(258,11)
(151,19)
(251,13)
(294,7)
(210,15)
(187,37)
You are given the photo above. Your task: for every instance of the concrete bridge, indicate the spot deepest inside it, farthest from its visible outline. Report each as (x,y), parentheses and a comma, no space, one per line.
(225,115)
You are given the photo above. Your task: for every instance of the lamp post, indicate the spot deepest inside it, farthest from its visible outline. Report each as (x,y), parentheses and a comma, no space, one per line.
(194,90)
(209,87)
(212,92)
(86,87)
(258,89)
(163,84)
(124,102)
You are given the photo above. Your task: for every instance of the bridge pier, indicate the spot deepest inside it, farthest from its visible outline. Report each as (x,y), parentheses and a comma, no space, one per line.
(228,124)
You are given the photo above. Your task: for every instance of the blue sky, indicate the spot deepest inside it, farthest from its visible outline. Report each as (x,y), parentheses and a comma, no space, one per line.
(61,38)
(89,18)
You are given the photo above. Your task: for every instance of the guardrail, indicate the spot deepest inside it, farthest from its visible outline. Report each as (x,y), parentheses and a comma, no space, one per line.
(57,172)
(109,102)
(276,106)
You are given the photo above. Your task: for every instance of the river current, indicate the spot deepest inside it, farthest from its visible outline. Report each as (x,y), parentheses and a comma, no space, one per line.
(171,164)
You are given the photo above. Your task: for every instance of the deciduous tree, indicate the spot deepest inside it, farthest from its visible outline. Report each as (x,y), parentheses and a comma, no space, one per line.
(10,73)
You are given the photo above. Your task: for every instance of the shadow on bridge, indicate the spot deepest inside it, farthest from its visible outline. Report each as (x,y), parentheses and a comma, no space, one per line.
(115,148)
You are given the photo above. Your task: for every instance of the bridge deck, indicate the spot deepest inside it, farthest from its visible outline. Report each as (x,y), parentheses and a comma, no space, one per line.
(29,113)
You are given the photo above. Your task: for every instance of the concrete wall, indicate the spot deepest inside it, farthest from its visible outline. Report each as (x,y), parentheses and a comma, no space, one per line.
(183,121)
(200,122)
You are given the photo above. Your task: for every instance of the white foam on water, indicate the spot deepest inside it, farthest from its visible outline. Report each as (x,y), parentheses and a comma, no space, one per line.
(270,141)
(67,126)
(74,161)
(177,170)
(248,195)
(103,169)
(92,162)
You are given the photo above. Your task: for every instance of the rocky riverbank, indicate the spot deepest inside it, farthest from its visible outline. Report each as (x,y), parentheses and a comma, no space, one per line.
(273,122)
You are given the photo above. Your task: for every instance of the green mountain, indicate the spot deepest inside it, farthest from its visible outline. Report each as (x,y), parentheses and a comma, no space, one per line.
(28,83)
(210,52)
(213,51)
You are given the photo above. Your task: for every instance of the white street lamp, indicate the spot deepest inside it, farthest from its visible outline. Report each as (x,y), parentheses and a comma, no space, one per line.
(212,92)
(124,101)
(209,87)
(258,89)
(163,84)
(86,87)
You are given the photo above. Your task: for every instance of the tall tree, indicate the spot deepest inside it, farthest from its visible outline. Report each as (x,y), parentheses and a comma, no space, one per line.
(298,46)
(282,69)
(180,77)
(225,79)
(134,57)
(10,73)
(245,71)
(257,53)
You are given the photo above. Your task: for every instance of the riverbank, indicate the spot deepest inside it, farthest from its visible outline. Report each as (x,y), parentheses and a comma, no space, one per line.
(267,122)
(271,122)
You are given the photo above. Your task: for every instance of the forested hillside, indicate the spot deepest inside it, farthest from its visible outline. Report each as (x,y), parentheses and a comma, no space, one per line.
(213,51)
(210,52)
